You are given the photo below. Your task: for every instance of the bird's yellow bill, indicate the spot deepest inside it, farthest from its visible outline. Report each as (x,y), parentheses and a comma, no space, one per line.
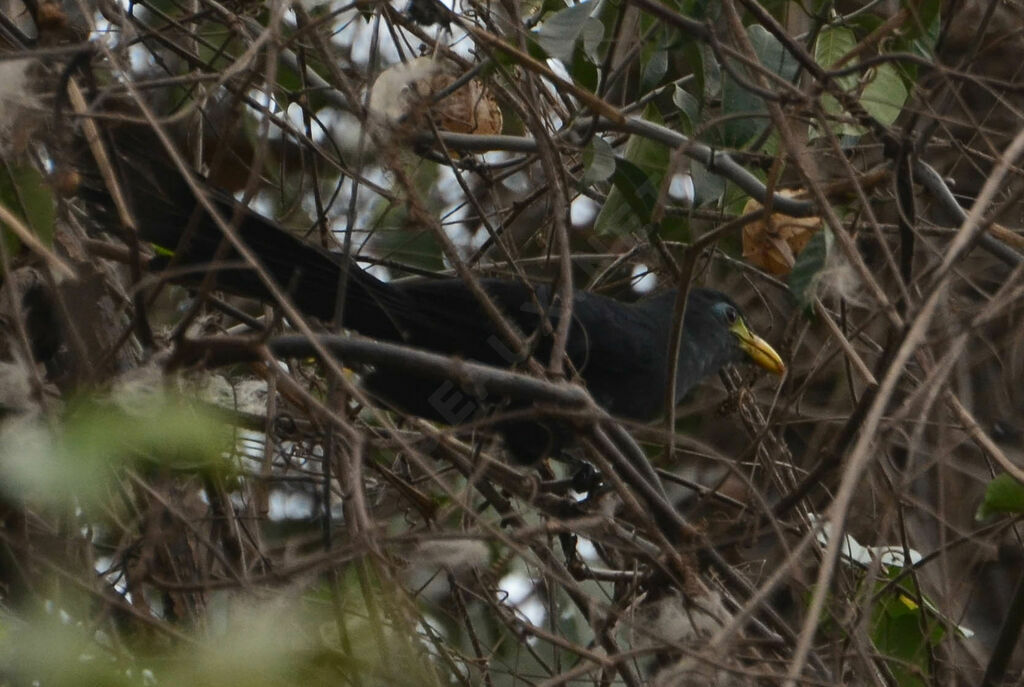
(757,348)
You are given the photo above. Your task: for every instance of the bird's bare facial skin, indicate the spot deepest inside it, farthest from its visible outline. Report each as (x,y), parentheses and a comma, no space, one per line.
(757,348)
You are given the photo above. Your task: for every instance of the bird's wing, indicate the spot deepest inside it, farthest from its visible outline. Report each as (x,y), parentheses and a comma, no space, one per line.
(626,350)
(614,336)
(445,315)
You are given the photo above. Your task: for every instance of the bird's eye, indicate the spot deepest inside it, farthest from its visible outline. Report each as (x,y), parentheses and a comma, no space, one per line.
(731,315)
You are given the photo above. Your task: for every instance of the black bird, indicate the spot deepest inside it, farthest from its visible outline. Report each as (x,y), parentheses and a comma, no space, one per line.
(620,350)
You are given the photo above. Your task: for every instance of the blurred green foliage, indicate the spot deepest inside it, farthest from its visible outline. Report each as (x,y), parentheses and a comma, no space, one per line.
(78,457)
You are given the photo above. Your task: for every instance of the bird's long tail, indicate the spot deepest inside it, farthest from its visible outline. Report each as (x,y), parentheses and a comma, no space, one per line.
(169,216)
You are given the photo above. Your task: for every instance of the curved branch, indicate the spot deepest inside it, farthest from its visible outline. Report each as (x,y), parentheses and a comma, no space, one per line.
(218,351)
(716,161)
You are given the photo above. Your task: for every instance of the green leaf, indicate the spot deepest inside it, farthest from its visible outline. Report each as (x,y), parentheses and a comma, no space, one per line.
(636,182)
(1004,494)
(593,39)
(737,100)
(598,162)
(694,57)
(707,187)
(584,71)
(809,265)
(735,199)
(885,94)
(904,629)
(75,459)
(688,106)
(654,70)
(897,632)
(771,53)
(637,195)
(924,28)
(558,33)
(833,43)
(24,191)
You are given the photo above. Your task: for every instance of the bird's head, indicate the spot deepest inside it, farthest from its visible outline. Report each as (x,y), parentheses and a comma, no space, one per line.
(753,346)
(722,335)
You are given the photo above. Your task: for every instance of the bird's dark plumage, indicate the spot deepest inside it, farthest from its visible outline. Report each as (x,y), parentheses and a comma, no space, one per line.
(620,350)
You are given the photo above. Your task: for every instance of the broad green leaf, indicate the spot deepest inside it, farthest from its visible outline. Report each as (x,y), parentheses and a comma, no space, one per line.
(885,94)
(636,182)
(832,44)
(1004,494)
(558,33)
(902,630)
(735,199)
(583,70)
(708,188)
(598,161)
(593,38)
(748,113)
(809,265)
(694,57)
(905,626)
(864,23)
(654,70)
(895,600)
(24,191)
(924,26)
(688,106)
(771,53)
(632,200)
(75,458)
(289,79)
